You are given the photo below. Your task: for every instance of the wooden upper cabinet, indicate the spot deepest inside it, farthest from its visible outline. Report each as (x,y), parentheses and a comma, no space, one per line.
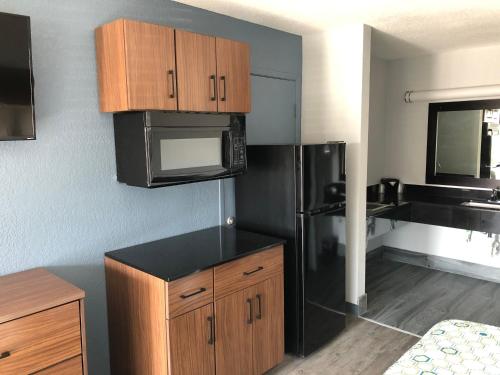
(196,72)
(136,66)
(144,66)
(233,70)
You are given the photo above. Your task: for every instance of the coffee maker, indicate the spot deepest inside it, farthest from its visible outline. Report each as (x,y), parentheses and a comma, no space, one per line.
(390,189)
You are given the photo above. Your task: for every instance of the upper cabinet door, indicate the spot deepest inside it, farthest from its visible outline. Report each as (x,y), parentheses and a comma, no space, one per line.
(233,69)
(150,64)
(196,72)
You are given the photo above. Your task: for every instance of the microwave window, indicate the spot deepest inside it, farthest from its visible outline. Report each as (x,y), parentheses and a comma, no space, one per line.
(190,153)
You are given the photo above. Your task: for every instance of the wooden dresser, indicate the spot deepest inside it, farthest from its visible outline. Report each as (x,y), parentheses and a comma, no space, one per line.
(226,319)
(42,329)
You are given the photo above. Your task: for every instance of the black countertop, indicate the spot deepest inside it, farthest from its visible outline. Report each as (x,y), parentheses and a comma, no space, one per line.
(175,257)
(429,194)
(441,206)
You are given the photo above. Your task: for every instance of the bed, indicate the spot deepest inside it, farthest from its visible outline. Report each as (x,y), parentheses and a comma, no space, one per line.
(453,347)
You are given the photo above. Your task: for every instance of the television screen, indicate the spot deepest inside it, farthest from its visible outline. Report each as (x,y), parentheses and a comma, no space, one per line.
(17,114)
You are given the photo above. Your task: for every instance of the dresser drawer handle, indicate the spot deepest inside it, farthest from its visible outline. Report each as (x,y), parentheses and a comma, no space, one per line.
(201,290)
(4,355)
(248,273)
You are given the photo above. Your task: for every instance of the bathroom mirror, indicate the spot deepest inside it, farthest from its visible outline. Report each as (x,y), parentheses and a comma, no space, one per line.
(463,143)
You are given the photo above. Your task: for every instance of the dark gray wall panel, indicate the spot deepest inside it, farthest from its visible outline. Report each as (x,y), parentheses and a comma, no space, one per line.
(273,118)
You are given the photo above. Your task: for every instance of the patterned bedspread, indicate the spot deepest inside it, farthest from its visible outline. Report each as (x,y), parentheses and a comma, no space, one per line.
(453,347)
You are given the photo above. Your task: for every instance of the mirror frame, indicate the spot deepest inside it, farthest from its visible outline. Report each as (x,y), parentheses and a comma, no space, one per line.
(430,177)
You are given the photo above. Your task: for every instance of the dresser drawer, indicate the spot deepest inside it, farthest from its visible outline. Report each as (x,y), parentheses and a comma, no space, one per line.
(71,366)
(40,340)
(239,274)
(189,293)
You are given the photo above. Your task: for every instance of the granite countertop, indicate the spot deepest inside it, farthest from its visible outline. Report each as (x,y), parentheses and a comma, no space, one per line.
(175,257)
(415,194)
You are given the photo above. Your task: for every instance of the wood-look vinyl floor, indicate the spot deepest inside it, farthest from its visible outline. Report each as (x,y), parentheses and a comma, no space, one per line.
(362,348)
(414,298)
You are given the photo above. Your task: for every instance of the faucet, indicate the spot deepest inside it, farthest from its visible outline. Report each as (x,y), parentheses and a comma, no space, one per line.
(495,194)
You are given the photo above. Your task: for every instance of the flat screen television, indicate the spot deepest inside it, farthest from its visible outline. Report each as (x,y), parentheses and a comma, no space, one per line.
(17,108)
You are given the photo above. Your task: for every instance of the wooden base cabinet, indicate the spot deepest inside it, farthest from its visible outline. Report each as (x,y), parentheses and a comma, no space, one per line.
(268,325)
(249,329)
(42,325)
(233,351)
(191,342)
(179,328)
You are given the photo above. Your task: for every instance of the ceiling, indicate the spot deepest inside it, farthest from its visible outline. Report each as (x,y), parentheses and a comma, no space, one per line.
(402,28)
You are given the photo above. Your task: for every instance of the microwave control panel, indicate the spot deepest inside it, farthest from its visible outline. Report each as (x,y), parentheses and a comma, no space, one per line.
(238,152)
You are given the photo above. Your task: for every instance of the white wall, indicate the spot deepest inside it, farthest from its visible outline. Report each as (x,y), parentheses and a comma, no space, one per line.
(377,127)
(335,93)
(407,123)
(405,144)
(444,242)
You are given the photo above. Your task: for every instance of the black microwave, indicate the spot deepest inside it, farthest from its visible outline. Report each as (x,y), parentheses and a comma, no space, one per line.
(156,149)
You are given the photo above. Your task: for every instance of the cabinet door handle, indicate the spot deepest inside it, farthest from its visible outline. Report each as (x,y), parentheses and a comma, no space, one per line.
(250,311)
(214,88)
(4,355)
(172,84)
(211,327)
(248,273)
(223,82)
(201,290)
(259,305)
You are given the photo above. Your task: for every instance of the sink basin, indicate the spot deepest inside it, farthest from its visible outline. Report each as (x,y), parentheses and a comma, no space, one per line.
(483,204)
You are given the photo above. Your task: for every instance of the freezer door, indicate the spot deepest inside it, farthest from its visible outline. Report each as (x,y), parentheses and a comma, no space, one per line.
(323,262)
(321,171)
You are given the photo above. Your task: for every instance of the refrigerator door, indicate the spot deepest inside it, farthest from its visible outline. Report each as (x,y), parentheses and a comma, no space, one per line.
(321,174)
(323,261)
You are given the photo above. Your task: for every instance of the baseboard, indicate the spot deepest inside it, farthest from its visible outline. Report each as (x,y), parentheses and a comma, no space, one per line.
(459,267)
(352,309)
(358,309)
(375,253)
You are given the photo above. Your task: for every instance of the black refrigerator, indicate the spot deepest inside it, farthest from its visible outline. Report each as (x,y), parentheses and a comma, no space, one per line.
(298,192)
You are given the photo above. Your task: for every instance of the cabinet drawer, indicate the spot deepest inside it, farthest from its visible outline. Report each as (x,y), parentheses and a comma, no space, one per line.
(242,273)
(40,340)
(189,293)
(72,366)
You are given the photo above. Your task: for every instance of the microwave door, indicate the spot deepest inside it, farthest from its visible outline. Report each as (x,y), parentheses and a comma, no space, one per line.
(186,154)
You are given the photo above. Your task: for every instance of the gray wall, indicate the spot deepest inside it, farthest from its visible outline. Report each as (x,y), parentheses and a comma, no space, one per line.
(61,206)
